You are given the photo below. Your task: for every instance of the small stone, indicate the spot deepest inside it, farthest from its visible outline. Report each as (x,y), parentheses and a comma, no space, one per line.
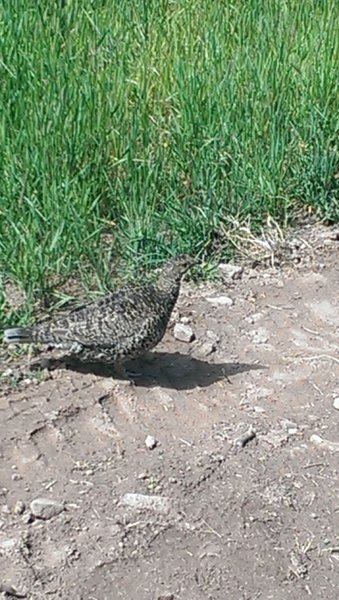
(27,518)
(151,442)
(183,333)
(7,545)
(247,437)
(44,508)
(326,444)
(19,507)
(9,590)
(5,509)
(212,335)
(336,403)
(259,336)
(276,438)
(254,317)
(16,477)
(185,320)
(207,348)
(221,301)
(159,504)
(7,372)
(231,272)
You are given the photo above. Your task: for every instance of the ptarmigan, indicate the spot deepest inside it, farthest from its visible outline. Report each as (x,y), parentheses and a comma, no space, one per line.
(118,327)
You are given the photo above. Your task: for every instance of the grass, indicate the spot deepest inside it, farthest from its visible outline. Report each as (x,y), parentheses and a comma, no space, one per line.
(130,131)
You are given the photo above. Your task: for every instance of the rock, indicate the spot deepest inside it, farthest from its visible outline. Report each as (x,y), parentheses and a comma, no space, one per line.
(231,272)
(254,318)
(27,518)
(212,335)
(247,437)
(164,398)
(276,438)
(151,442)
(221,301)
(7,545)
(259,336)
(207,348)
(326,444)
(19,507)
(159,504)
(183,333)
(9,590)
(45,508)
(336,403)
(7,372)
(255,392)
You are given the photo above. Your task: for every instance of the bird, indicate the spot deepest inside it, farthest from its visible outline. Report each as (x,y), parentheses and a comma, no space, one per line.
(116,328)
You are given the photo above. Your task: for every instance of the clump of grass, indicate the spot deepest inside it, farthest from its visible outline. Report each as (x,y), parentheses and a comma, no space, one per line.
(152,122)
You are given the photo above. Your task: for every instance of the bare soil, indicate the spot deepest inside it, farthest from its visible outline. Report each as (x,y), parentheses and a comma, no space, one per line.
(243,465)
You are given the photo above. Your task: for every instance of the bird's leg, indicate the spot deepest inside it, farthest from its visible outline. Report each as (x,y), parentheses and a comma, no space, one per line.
(123,373)
(126,374)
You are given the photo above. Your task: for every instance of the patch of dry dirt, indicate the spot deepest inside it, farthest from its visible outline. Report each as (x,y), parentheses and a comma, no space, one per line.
(232,517)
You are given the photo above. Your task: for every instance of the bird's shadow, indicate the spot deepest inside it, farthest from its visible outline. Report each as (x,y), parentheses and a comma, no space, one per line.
(171,370)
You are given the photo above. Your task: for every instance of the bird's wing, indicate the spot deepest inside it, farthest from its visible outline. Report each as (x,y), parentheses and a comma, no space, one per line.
(112,320)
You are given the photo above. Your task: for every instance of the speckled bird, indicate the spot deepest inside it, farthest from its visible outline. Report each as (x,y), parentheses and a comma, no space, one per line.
(116,328)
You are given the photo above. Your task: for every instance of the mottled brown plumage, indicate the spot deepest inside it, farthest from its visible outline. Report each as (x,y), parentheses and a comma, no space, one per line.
(119,327)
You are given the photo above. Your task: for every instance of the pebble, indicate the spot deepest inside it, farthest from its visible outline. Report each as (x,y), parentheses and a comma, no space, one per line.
(221,301)
(7,372)
(212,335)
(159,504)
(231,272)
(45,508)
(151,442)
(207,348)
(276,438)
(336,403)
(19,507)
(7,545)
(254,318)
(247,437)
(9,590)
(259,336)
(326,444)
(27,518)
(184,333)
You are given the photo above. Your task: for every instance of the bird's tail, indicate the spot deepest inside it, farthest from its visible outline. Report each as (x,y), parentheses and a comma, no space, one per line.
(18,335)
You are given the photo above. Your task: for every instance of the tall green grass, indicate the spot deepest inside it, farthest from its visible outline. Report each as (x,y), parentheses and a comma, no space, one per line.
(133,130)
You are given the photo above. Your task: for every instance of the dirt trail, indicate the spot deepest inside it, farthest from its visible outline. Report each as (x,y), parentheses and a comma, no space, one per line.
(234,517)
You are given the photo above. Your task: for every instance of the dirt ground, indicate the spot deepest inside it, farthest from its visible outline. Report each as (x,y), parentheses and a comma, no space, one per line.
(236,496)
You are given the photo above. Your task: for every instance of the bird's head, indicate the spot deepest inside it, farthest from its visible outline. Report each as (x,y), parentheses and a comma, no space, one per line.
(179,265)
(174,269)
